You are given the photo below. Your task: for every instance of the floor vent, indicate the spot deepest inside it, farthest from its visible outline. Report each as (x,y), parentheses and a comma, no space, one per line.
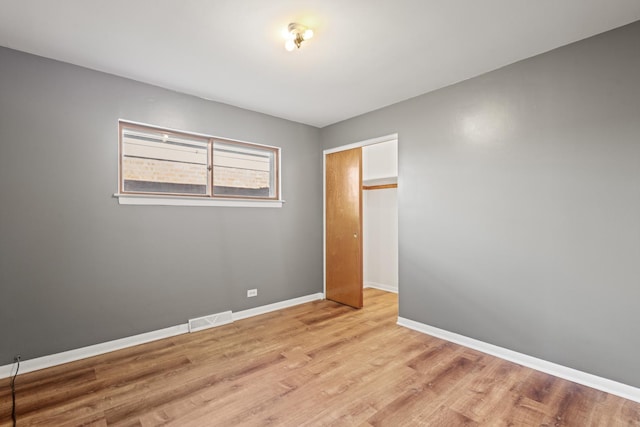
(210,321)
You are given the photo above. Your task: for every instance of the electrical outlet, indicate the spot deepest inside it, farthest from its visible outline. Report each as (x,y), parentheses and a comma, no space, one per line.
(252,293)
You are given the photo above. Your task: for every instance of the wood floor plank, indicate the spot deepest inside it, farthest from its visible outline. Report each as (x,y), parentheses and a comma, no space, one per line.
(315,364)
(489,393)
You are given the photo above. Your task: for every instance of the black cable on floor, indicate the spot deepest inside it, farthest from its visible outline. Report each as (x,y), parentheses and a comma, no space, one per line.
(13,392)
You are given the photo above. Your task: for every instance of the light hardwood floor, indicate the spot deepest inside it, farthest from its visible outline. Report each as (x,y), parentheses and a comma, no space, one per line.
(319,363)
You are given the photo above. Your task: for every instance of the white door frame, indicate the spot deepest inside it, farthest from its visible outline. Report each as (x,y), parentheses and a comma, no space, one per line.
(391,137)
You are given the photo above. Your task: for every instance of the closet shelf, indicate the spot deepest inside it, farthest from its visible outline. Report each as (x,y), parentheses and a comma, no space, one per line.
(380,181)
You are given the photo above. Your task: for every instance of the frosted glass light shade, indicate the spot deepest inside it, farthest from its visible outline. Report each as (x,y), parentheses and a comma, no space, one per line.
(289,45)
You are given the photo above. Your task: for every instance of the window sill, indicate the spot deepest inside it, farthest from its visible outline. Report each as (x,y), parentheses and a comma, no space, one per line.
(149,200)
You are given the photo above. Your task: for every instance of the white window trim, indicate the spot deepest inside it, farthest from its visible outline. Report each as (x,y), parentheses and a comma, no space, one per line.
(155,200)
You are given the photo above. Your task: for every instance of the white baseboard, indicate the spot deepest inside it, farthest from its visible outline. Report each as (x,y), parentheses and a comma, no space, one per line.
(381,286)
(589,380)
(276,306)
(92,350)
(38,363)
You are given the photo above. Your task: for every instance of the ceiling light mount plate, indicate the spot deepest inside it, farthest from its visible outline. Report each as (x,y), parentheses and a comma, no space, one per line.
(295,34)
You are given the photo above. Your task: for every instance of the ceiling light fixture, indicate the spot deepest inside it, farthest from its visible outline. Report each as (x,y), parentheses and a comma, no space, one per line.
(295,34)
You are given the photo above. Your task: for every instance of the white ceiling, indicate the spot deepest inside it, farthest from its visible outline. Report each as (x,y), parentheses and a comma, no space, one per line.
(365,54)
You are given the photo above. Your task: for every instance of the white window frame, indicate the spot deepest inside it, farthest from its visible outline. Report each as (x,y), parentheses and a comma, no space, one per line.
(210,199)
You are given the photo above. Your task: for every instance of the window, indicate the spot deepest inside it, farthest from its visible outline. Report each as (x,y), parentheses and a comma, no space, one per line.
(155,161)
(243,170)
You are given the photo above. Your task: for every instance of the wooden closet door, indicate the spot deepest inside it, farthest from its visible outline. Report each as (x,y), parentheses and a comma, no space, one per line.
(343,204)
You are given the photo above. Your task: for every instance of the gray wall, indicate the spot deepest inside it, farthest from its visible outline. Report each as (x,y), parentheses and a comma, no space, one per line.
(519,204)
(77,269)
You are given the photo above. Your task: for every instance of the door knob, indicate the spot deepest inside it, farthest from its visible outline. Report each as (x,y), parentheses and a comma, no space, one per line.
(355,235)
